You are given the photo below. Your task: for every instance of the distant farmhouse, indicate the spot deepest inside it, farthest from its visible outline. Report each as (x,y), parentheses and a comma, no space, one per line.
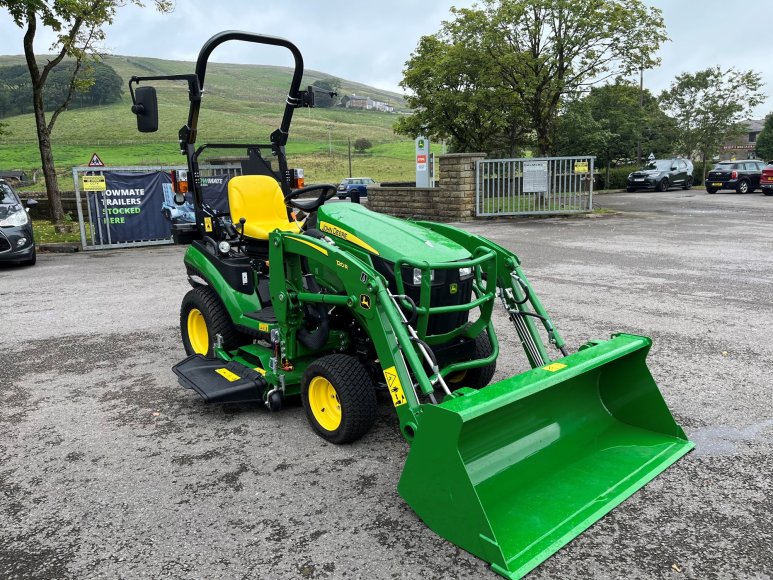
(368,104)
(746,146)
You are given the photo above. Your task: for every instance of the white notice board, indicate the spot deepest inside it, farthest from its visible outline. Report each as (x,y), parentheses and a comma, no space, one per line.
(535,176)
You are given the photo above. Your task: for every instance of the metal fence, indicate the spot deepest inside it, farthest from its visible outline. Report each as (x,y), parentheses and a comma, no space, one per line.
(533,186)
(92,229)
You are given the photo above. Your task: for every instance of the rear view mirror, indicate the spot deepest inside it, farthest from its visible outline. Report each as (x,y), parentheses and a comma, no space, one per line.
(146,108)
(32,203)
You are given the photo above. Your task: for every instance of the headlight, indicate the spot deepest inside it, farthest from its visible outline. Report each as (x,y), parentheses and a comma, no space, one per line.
(17,218)
(224,247)
(465,272)
(417,276)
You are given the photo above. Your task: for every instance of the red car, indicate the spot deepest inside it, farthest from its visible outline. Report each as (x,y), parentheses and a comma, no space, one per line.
(766,179)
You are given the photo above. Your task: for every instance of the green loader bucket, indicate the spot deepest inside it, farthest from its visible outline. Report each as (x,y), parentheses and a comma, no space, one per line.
(513,472)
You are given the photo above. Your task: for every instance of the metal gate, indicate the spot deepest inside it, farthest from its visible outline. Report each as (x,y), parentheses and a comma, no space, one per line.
(533,186)
(92,229)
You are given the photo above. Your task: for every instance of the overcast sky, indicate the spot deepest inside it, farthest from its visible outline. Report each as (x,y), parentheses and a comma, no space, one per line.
(369,42)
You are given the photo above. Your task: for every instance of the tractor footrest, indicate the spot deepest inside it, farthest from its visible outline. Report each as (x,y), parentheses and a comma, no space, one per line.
(219,381)
(264,315)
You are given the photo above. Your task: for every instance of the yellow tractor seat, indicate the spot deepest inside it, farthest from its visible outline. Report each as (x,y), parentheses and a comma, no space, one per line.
(259,200)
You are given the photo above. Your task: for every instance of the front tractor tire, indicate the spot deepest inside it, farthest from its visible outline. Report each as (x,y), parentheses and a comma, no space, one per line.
(339,398)
(478,377)
(202,316)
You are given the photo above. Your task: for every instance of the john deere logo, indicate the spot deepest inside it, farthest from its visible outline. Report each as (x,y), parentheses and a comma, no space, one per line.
(421,143)
(454,288)
(365,301)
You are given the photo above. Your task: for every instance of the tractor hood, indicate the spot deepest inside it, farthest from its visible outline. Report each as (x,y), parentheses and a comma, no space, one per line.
(386,236)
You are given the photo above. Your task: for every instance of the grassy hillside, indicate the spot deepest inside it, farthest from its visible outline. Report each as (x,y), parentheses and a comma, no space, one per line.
(242,103)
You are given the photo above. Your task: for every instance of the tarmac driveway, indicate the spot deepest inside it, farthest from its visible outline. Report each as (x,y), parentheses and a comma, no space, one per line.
(108,469)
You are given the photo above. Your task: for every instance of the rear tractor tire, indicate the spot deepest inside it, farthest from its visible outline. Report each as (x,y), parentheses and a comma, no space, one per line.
(202,316)
(339,398)
(478,377)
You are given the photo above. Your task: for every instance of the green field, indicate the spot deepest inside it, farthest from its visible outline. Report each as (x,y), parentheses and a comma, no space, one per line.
(242,103)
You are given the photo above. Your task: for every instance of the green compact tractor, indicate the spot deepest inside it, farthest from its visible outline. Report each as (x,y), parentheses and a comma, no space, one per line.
(331,302)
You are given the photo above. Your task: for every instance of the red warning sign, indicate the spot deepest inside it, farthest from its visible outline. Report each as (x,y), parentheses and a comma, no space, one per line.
(96,161)
(421,159)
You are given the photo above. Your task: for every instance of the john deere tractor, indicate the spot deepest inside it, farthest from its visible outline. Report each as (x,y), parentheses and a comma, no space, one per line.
(291,296)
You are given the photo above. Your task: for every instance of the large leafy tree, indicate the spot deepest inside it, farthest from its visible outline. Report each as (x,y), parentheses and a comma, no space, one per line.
(455,94)
(546,50)
(708,107)
(79,28)
(765,140)
(610,121)
(526,56)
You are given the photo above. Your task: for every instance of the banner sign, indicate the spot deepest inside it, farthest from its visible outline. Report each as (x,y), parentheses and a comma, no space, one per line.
(131,208)
(136,207)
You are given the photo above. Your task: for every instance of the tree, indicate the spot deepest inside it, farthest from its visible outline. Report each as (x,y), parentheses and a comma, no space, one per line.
(546,50)
(609,123)
(765,140)
(455,95)
(708,107)
(78,25)
(323,92)
(526,57)
(362,144)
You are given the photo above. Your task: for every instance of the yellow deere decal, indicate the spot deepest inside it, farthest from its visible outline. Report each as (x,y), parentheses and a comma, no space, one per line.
(208,224)
(329,228)
(315,246)
(231,377)
(553,367)
(395,388)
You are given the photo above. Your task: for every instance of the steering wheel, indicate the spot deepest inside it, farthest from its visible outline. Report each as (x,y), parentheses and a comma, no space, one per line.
(308,205)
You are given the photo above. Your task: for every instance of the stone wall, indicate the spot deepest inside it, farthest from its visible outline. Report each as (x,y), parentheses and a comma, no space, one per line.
(453,200)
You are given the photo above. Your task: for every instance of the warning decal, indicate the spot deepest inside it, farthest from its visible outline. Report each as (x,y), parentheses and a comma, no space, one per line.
(394,386)
(231,377)
(553,367)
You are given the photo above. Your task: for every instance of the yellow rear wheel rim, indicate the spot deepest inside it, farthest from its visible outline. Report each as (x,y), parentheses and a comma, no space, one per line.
(324,403)
(198,335)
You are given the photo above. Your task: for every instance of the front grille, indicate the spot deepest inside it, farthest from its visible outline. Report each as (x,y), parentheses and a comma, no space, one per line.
(440,295)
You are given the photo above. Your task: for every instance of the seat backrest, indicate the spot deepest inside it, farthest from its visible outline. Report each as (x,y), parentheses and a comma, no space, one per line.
(259,200)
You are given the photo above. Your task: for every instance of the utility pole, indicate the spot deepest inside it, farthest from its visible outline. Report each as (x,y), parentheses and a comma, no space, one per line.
(330,140)
(641,114)
(350,156)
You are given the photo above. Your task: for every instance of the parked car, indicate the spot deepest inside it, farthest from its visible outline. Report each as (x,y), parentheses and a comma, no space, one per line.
(743,176)
(662,174)
(358,184)
(766,179)
(17,242)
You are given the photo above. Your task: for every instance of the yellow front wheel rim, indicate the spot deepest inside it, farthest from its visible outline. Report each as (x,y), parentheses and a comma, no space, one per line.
(324,403)
(457,377)
(198,335)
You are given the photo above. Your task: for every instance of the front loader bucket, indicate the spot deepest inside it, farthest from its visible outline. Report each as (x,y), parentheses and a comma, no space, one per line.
(513,472)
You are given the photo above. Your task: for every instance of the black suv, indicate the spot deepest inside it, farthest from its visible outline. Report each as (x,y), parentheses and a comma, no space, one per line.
(661,174)
(743,176)
(17,243)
